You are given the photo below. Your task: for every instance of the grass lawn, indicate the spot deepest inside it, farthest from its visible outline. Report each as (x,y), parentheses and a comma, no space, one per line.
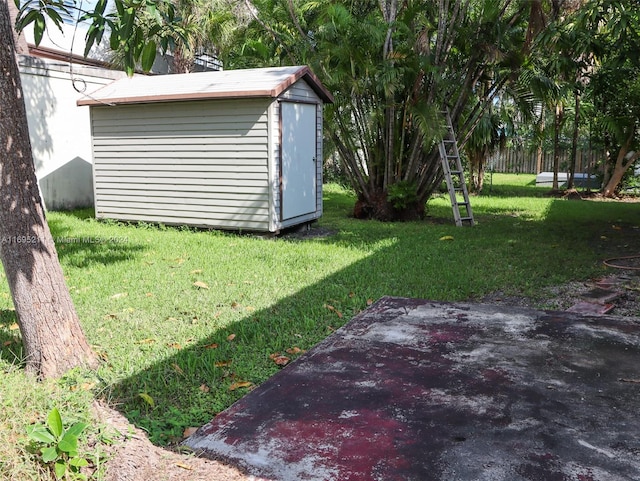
(187,321)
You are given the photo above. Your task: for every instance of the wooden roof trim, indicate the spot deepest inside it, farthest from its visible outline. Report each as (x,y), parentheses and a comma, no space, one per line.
(304,73)
(49,53)
(176,98)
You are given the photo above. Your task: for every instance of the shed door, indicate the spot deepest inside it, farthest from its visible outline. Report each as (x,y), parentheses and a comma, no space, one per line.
(298,186)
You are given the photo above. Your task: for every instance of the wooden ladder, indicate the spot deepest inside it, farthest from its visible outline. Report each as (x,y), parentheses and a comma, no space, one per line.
(454,176)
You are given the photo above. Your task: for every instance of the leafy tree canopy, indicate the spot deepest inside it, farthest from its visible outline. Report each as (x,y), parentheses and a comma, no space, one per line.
(137,28)
(393,68)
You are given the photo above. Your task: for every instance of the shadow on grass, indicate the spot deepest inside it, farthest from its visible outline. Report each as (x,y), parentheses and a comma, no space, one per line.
(10,341)
(206,375)
(527,190)
(77,251)
(82,251)
(81,214)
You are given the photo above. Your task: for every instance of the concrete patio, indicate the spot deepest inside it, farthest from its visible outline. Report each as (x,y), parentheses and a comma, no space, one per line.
(418,390)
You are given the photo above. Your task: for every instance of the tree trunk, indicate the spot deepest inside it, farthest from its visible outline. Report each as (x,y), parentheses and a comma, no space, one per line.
(615,179)
(52,337)
(574,142)
(476,167)
(181,62)
(624,160)
(21,46)
(539,151)
(556,145)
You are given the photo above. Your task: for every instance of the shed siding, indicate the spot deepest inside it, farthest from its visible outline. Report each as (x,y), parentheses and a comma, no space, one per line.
(273,145)
(203,163)
(301,92)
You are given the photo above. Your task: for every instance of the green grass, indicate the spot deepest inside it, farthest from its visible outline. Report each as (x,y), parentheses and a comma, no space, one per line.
(182,316)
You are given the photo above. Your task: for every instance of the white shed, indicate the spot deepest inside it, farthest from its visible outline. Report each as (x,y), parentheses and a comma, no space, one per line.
(235,149)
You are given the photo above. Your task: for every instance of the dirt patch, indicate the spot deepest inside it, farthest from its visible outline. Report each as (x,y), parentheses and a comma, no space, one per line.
(134,458)
(574,194)
(308,231)
(626,282)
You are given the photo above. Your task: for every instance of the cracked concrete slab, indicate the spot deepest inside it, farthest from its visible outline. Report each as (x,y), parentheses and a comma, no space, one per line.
(417,390)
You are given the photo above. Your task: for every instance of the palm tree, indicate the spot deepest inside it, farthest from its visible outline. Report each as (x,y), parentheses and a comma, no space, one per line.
(205,24)
(615,86)
(393,67)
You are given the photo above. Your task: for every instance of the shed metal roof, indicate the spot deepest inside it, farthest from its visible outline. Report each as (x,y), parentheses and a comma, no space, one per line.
(243,83)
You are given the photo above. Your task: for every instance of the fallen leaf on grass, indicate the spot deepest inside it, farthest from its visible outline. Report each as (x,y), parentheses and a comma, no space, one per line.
(7,343)
(279,359)
(174,345)
(146,398)
(146,341)
(231,337)
(222,363)
(177,368)
(240,384)
(103,355)
(201,285)
(188,432)
(213,345)
(333,309)
(446,238)
(295,350)
(204,388)
(85,386)
(119,295)
(14,327)
(196,271)
(369,302)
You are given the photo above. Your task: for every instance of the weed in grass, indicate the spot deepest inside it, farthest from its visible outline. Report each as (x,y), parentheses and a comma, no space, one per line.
(58,446)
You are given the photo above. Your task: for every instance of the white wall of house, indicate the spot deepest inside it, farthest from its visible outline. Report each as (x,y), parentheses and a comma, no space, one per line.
(68,39)
(60,130)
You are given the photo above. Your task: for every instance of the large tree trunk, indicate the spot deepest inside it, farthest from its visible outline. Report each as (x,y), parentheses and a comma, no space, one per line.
(624,160)
(52,337)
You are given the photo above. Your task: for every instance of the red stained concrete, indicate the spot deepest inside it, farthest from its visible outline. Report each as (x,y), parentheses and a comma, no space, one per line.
(418,390)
